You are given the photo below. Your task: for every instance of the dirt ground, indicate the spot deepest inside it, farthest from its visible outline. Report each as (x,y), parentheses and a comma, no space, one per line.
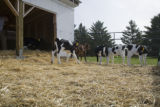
(35,82)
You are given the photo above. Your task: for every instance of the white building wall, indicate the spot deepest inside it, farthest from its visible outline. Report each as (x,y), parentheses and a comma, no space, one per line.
(65,16)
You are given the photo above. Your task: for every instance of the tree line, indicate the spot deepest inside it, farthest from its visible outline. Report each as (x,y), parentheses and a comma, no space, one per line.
(98,34)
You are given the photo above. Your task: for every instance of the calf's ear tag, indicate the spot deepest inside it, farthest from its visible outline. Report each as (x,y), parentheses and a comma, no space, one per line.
(143,49)
(77,43)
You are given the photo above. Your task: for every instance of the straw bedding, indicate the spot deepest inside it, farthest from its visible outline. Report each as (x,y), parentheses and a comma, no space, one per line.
(34,81)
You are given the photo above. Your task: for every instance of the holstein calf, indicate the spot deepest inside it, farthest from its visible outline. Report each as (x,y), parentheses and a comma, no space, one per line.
(100,51)
(31,43)
(64,45)
(118,50)
(139,50)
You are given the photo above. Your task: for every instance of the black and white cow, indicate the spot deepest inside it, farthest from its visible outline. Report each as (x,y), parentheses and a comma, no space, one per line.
(118,50)
(64,45)
(139,50)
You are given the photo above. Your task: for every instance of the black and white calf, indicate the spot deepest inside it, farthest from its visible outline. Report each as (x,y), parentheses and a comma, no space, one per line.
(139,50)
(118,50)
(64,45)
(100,51)
(31,43)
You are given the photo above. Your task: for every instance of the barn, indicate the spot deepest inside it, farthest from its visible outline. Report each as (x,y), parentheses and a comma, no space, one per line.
(43,20)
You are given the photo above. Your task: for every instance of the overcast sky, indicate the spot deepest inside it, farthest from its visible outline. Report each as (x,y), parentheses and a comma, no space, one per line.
(117,13)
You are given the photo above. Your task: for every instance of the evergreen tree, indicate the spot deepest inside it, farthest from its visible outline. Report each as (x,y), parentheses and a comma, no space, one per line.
(152,37)
(81,34)
(99,35)
(132,34)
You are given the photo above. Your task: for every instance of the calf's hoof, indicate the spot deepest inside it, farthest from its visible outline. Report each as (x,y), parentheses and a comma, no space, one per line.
(59,62)
(78,62)
(100,63)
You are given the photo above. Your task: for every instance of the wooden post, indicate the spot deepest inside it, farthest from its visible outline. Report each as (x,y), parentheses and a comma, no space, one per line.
(28,11)
(9,4)
(54,28)
(19,30)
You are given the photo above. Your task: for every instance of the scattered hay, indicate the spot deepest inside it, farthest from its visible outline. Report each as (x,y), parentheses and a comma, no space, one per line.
(34,81)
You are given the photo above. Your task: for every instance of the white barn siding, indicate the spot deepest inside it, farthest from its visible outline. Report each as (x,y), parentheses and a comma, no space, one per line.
(65,16)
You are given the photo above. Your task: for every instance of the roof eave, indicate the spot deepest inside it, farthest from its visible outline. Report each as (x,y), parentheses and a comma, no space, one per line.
(72,3)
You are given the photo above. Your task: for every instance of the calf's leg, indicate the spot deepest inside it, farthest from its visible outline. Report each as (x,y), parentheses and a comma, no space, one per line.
(75,57)
(97,58)
(100,60)
(68,56)
(52,59)
(141,59)
(144,58)
(107,60)
(112,59)
(85,58)
(81,58)
(123,58)
(129,58)
(58,58)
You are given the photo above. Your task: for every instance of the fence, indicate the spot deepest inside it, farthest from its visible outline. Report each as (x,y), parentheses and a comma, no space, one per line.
(116,36)
(116,39)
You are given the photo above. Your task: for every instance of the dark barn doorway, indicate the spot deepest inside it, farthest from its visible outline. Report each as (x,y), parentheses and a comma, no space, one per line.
(8,33)
(39,25)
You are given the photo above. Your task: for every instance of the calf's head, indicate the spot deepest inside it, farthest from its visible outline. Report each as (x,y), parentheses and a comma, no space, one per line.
(76,44)
(87,47)
(114,50)
(142,50)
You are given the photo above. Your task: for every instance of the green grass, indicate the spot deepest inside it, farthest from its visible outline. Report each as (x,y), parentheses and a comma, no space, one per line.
(118,60)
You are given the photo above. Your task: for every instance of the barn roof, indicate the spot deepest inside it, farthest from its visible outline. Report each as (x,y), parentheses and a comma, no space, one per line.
(76,1)
(73,3)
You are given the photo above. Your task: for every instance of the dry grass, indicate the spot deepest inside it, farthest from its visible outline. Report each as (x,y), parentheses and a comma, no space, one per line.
(34,81)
